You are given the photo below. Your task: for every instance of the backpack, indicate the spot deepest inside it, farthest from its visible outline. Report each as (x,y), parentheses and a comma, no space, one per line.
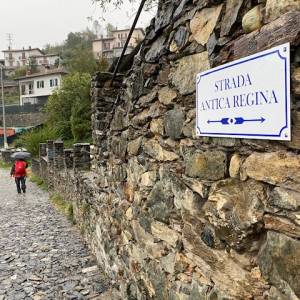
(20,169)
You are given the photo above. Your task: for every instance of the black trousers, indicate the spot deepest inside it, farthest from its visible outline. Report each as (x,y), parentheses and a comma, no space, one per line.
(21,184)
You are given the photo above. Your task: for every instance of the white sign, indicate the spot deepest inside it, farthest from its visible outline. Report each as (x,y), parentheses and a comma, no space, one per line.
(247,98)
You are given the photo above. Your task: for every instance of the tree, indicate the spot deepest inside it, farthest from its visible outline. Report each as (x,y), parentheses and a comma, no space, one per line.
(65,105)
(109,30)
(81,60)
(118,3)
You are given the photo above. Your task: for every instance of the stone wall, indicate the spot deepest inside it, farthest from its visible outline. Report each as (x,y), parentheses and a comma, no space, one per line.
(173,216)
(24,119)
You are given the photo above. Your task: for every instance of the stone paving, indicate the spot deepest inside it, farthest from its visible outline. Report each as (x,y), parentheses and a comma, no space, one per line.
(42,256)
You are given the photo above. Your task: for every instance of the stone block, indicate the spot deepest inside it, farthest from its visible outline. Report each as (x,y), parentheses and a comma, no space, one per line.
(156,151)
(160,202)
(81,157)
(284,199)
(253,19)
(157,126)
(183,74)
(134,146)
(148,179)
(68,158)
(146,240)
(276,8)
(204,22)
(232,9)
(163,232)
(173,123)
(296,81)
(282,225)
(279,262)
(180,39)
(236,210)
(210,165)
(43,150)
(50,151)
(277,168)
(168,263)
(58,155)
(235,166)
(166,95)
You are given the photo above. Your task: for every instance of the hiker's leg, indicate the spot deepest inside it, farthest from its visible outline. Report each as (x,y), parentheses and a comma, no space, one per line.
(18,181)
(23,184)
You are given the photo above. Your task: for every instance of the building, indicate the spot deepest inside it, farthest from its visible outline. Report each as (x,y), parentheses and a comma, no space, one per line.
(36,88)
(14,58)
(111,47)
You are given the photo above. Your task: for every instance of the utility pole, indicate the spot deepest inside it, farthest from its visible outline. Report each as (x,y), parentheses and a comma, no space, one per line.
(3,110)
(10,39)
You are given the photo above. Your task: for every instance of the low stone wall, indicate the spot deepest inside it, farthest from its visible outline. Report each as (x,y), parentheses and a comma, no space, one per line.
(173,216)
(24,119)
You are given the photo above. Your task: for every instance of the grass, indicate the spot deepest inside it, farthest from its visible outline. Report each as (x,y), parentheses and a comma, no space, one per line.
(39,182)
(63,206)
(4,165)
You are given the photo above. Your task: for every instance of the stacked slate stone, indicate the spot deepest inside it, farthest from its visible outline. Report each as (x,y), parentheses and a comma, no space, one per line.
(58,155)
(174,216)
(81,157)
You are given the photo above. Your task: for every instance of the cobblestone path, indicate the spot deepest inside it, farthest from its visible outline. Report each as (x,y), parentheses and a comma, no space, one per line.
(42,256)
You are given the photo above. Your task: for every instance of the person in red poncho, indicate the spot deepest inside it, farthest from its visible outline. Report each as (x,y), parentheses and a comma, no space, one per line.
(18,171)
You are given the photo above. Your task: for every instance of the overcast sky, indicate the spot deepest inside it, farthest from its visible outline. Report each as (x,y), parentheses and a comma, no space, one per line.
(38,22)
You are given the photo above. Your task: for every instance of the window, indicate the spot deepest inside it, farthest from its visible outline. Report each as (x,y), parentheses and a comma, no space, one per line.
(23,55)
(10,55)
(40,84)
(53,82)
(30,88)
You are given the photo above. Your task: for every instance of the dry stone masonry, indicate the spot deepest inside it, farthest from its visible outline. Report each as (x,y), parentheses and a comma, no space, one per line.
(173,216)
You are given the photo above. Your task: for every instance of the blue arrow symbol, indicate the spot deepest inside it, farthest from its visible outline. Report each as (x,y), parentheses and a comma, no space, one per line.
(239,121)
(224,121)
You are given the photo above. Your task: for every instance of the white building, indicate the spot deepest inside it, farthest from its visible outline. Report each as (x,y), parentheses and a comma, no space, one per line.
(14,59)
(46,60)
(111,47)
(36,88)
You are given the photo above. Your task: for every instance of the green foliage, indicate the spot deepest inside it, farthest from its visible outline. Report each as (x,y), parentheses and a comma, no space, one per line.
(63,206)
(4,165)
(68,109)
(76,52)
(109,29)
(19,73)
(102,64)
(82,60)
(81,120)
(31,139)
(39,182)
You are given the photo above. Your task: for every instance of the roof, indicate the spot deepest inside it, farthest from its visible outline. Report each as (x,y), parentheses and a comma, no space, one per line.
(23,50)
(45,55)
(128,29)
(104,39)
(118,30)
(42,74)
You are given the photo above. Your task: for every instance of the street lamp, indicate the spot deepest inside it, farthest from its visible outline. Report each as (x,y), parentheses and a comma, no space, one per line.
(3,110)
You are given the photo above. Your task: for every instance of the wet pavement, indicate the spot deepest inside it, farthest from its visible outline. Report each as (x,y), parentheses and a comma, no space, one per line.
(42,255)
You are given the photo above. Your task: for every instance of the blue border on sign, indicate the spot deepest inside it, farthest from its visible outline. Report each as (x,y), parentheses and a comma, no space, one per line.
(238,63)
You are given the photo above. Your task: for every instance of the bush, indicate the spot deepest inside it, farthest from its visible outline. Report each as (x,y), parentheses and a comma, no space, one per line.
(73,98)
(31,139)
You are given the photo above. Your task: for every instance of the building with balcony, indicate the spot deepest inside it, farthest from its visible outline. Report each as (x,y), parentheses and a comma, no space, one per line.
(37,87)
(14,58)
(112,46)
